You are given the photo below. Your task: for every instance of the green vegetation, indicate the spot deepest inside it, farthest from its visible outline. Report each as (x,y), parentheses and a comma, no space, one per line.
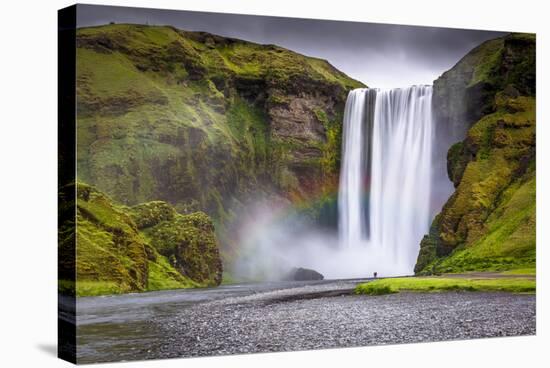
(488,224)
(163,276)
(190,243)
(374,288)
(436,284)
(521,271)
(116,252)
(464,94)
(487,58)
(95,288)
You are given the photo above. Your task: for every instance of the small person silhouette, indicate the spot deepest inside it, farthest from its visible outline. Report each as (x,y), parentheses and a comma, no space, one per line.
(375,274)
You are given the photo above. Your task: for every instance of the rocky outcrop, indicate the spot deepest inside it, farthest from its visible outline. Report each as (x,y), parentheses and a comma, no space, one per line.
(146,247)
(187,241)
(489,221)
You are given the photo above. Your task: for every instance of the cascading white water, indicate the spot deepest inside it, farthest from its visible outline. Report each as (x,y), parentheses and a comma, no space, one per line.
(384,195)
(353,224)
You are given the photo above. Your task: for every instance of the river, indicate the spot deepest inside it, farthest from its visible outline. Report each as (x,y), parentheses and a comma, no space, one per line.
(285,316)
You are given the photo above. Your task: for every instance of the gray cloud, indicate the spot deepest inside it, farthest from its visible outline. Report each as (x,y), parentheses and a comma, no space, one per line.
(380,55)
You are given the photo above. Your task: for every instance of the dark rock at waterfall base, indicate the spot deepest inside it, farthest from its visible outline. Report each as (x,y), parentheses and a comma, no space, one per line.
(304,274)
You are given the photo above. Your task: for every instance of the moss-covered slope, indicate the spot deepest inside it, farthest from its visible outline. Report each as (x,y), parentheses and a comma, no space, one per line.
(187,241)
(489,221)
(147,247)
(202,121)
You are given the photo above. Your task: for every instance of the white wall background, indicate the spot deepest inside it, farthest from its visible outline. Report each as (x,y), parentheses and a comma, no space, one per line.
(28,134)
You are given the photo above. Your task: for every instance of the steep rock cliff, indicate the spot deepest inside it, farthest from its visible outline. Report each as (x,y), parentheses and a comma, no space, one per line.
(488,100)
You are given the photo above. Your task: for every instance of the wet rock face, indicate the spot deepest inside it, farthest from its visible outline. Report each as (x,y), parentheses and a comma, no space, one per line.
(297,119)
(300,124)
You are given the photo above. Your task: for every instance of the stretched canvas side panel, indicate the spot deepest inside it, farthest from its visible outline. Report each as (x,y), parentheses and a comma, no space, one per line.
(66,180)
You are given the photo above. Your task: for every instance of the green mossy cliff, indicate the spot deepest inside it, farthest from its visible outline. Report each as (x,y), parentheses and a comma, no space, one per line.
(489,221)
(202,121)
(145,247)
(171,122)
(465,93)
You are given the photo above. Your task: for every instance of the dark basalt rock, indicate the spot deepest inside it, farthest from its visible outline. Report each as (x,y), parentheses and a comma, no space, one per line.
(304,274)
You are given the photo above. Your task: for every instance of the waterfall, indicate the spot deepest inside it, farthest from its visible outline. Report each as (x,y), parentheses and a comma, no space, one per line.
(353,224)
(384,193)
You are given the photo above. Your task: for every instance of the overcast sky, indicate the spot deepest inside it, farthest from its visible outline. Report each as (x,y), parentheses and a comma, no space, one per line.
(379,55)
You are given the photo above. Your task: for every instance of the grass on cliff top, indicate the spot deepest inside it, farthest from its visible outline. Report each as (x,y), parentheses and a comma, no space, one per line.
(220,55)
(432,284)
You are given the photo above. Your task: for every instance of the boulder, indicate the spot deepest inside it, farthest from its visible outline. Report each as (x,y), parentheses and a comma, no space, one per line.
(304,274)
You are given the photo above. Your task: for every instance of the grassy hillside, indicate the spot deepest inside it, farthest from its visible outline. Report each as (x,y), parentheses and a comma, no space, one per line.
(204,122)
(489,221)
(142,248)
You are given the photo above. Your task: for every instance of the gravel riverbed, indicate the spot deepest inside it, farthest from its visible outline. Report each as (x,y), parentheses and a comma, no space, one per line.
(289,317)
